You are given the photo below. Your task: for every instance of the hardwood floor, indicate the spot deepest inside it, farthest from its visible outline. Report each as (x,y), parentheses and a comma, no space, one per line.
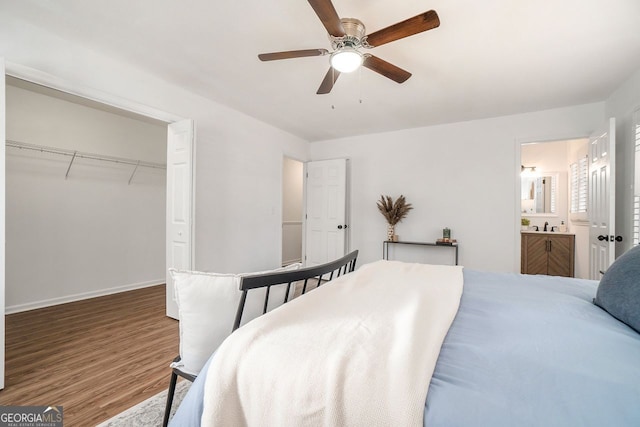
(95,357)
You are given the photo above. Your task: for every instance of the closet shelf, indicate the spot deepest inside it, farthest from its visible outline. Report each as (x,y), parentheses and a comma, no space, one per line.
(83,155)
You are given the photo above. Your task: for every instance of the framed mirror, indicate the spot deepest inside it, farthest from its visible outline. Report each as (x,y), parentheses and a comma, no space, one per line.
(539,194)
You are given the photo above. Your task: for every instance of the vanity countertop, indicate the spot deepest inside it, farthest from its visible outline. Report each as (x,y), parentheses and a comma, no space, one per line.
(566,233)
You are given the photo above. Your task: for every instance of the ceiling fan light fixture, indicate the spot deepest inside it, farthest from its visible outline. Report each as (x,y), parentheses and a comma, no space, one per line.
(346,59)
(348,35)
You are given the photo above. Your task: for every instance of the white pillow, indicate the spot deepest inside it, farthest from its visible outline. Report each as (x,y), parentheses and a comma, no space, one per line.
(207,304)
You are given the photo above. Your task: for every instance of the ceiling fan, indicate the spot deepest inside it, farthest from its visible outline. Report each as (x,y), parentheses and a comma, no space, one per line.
(347,36)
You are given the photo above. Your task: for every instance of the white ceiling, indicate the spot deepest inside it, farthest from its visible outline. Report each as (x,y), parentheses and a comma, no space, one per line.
(488,58)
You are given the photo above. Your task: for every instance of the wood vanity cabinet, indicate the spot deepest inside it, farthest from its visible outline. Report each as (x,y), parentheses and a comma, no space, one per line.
(547,253)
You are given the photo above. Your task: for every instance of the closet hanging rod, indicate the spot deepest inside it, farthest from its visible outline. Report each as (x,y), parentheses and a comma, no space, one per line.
(83,155)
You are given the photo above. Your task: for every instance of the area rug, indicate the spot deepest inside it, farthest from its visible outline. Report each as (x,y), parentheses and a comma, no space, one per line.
(149,413)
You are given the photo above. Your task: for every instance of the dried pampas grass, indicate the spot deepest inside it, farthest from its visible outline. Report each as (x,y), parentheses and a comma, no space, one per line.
(394,212)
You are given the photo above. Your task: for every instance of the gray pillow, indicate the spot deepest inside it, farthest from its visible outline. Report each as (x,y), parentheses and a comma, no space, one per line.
(619,289)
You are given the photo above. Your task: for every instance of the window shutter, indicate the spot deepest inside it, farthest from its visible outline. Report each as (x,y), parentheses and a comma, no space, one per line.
(579,186)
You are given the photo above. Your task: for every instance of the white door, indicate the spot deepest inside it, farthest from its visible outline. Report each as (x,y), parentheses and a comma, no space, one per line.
(326,211)
(179,203)
(602,200)
(2,217)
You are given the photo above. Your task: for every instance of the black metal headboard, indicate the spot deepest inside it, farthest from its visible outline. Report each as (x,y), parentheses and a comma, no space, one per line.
(321,273)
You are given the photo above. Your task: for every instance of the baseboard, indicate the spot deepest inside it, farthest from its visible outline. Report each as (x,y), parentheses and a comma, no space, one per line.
(78,297)
(291,261)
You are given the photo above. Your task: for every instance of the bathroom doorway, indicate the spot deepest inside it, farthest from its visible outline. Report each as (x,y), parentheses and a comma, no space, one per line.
(550,192)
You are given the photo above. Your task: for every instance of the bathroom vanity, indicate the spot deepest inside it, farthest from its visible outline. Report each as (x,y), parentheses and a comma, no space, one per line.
(551,253)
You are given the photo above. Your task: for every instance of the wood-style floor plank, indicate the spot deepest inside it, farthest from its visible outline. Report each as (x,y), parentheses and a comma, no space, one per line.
(95,357)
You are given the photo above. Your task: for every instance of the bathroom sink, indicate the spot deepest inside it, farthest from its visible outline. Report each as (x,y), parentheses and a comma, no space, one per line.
(545,232)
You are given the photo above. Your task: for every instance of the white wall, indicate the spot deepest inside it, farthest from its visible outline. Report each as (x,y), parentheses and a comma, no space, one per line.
(90,234)
(461,175)
(238,172)
(621,105)
(292,193)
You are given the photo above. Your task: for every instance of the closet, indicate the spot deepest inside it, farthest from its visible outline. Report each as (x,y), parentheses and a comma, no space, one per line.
(85,198)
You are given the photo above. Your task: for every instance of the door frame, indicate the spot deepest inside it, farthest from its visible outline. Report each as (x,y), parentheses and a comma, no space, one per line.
(53,82)
(303,205)
(519,142)
(3,135)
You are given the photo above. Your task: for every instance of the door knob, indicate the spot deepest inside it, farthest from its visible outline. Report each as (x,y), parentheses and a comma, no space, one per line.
(340,227)
(618,238)
(601,238)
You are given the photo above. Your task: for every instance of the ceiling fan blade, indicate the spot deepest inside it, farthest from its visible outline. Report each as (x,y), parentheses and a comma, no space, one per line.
(386,69)
(328,82)
(329,17)
(292,54)
(417,24)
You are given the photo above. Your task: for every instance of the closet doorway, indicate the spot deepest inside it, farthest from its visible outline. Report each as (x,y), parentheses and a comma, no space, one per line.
(85,198)
(91,95)
(292,210)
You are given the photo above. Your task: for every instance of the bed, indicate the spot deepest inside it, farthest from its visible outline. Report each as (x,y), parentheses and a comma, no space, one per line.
(523,350)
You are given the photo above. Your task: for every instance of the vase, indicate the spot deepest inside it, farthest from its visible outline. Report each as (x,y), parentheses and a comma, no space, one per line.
(391,230)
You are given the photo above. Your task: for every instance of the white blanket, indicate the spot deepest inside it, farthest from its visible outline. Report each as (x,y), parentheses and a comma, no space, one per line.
(358,351)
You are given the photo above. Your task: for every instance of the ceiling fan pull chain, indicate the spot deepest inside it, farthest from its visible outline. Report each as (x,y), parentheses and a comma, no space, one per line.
(333,77)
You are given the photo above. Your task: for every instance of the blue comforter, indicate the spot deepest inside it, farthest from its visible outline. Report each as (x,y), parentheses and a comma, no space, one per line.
(523,351)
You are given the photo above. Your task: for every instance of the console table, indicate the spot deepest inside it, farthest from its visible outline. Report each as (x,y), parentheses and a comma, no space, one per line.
(386,243)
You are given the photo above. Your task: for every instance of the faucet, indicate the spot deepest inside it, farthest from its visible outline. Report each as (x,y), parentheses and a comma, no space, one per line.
(545,226)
